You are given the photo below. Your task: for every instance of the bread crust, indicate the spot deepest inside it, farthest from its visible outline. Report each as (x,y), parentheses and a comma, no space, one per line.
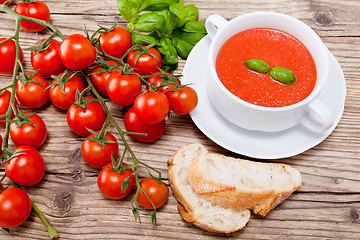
(229,196)
(185,208)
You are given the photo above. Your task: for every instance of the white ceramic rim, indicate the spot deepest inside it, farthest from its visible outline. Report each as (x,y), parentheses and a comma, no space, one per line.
(288,18)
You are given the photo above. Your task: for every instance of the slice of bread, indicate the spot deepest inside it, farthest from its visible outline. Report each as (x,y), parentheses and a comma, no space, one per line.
(243,184)
(199,209)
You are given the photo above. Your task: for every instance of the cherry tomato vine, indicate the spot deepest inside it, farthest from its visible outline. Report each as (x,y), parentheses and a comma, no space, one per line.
(124,66)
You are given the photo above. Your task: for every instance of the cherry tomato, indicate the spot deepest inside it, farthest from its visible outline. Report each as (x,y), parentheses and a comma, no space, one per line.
(27,168)
(61,100)
(116,42)
(92,116)
(157,80)
(110,182)
(3,1)
(183,101)
(38,10)
(28,134)
(134,124)
(15,207)
(77,52)
(145,64)
(100,79)
(8,56)
(151,107)
(97,156)
(122,88)
(158,193)
(5,98)
(32,94)
(48,62)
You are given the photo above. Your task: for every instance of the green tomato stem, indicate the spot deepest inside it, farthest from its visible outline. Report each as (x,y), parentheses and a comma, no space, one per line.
(13,85)
(53,233)
(19,18)
(3,177)
(127,147)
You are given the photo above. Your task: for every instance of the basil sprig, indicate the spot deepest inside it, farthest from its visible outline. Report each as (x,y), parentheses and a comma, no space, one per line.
(168,23)
(280,74)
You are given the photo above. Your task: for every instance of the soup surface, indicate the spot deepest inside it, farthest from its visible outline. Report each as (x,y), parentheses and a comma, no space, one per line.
(276,48)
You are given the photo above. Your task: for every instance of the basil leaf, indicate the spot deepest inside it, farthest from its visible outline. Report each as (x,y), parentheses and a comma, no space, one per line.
(185,41)
(129,9)
(194,26)
(169,22)
(283,75)
(183,48)
(257,65)
(192,13)
(190,37)
(141,39)
(155,5)
(168,51)
(149,22)
(178,10)
(169,69)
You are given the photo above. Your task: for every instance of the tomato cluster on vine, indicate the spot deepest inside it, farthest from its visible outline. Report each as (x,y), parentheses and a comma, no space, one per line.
(129,75)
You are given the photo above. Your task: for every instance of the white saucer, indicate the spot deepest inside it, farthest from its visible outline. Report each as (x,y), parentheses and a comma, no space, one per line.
(257,144)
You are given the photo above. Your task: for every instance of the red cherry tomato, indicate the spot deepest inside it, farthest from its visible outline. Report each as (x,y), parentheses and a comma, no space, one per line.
(134,124)
(145,64)
(97,156)
(27,168)
(158,193)
(151,107)
(63,100)
(5,98)
(183,101)
(48,62)
(38,10)
(77,52)
(28,134)
(157,80)
(32,94)
(122,88)
(2,1)
(116,42)
(15,207)
(100,79)
(110,182)
(92,116)
(8,56)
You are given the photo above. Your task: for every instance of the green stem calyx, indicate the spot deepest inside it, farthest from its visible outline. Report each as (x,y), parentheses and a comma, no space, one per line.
(42,45)
(105,67)
(22,118)
(81,101)
(25,78)
(65,77)
(100,137)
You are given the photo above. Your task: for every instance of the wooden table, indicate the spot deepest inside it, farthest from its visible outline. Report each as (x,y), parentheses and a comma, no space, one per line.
(326,206)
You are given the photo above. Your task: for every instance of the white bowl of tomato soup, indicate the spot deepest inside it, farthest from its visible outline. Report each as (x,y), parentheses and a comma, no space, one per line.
(278,87)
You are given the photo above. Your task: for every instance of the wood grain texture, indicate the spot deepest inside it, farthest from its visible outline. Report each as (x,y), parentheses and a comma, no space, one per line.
(327,206)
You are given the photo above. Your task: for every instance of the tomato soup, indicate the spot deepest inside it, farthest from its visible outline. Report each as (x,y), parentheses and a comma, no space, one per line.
(276,48)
